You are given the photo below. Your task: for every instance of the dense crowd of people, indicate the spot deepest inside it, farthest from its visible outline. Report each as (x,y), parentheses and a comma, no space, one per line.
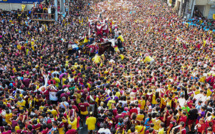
(158,79)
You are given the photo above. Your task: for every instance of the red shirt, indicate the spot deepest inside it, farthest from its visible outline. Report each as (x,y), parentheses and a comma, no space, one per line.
(201,128)
(147,132)
(149,97)
(45,131)
(133,110)
(114,112)
(189,103)
(71,131)
(75,108)
(90,101)
(118,116)
(183,119)
(8,132)
(83,106)
(21,131)
(183,130)
(36,126)
(53,82)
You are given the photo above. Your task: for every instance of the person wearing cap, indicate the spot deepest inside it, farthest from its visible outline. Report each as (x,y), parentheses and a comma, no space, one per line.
(91,123)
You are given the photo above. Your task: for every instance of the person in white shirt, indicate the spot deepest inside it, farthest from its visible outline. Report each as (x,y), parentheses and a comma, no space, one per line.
(199,97)
(182,101)
(104,130)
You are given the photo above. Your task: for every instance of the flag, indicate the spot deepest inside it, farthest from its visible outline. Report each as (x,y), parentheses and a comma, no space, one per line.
(23,7)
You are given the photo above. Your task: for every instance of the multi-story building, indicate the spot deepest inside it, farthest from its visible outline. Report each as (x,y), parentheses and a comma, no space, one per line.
(188,8)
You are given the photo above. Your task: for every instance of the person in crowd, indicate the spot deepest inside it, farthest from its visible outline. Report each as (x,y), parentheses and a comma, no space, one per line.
(138,68)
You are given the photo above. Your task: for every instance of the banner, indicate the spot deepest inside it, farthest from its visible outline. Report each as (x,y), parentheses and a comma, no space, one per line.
(20,1)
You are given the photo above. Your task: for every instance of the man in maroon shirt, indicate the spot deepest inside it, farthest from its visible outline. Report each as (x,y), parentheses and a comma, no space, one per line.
(119,115)
(36,126)
(91,99)
(83,110)
(74,106)
(71,131)
(133,109)
(183,118)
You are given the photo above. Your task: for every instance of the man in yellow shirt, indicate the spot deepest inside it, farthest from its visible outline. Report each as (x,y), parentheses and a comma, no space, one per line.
(156,121)
(140,128)
(73,122)
(91,123)
(53,111)
(57,80)
(161,130)
(110,102)
(8,117)
(149,59)
(21,103)
(96,59)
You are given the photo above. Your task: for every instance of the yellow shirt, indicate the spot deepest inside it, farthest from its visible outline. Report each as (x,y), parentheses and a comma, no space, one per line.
(148,59)
(57,80)
(121,38)
(161,131)
(17,128)
(140,117)
(153,99)
(118,94)
(41,108)
(156,123)
(96,59)
(110,102)
(21,104)
(91,122)
(209,92)
(8,117)
(140,129)
(73,124)
(121,56)
(54,112)
(61,130)
(19,47)
(63,80)
(202,79)
(142,104)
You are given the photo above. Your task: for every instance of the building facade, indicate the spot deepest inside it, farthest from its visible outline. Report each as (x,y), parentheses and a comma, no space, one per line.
(188,8)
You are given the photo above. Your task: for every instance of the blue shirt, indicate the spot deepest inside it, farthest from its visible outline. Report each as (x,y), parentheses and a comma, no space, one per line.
(65,103)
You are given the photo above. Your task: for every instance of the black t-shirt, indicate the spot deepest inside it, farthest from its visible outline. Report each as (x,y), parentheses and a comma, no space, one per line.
(193,114)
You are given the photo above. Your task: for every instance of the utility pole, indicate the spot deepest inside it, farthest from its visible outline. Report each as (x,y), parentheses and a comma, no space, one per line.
(68,4)
(180,8)
(193,5)
(186,8)
(63,7)
(56,12)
